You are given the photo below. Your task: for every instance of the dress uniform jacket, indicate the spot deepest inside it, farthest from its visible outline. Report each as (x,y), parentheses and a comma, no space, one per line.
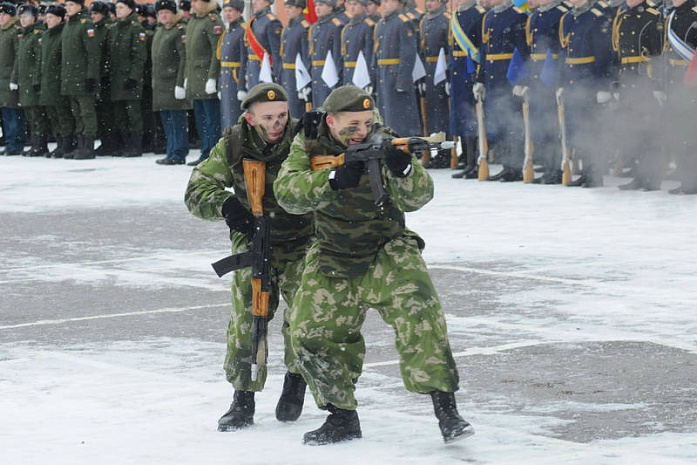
(168,66)
(294,42)
(267,29)
(202,34)
(80,55)
(503,31)
(9,41)
(395,54)
(233,64)
(356,37)
(324,36)
(27,65)
(463,120)
(434,27)
(127,54)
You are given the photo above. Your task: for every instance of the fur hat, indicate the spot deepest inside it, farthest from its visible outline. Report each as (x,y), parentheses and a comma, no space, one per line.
(131,4)
(57,10)
(236,4)
(28,9)
(99,7)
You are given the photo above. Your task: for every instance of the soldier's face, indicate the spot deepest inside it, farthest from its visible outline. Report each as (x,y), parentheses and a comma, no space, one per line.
(322,9)
(633,3)
(52,20)
(4,18)
(27,20)
(122,10)
(354,8)
(578,3)
(677,3)
(433,5)
(390,6)
(350,127)
(165,16)
(72,8)
(231,14)
(269,119)
(292,11)
(96,17)
(258,5)
(371,9)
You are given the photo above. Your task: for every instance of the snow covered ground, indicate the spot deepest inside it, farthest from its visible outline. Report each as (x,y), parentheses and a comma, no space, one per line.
(571,314)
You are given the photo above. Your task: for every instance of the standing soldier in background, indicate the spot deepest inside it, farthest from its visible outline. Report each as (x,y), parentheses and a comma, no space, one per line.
(372,9)
(433,31)
(294,42)
(127,42)
(99,12)
(80,77)
(356,37)
(13,122)
(168,94)
(395,54)
(586,79)
(502,32)
(542,32)
(324,36)
(263,37)
(202,71)
(637,39)
(681,138)
(57,105)
(185,6)
(232,54)
(340,12)
(27,75)
(465,41)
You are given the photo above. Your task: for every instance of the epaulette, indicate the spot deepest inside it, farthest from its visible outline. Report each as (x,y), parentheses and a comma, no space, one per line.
(653,11)
(37,31)
(597,12)
(180,26)
(518,10)
(212,17)
(244,26)
(602,4)
(419,11)
(562,8)
(337,22)
(369,21)
(481,9)
(447,15)
(411,15)
(83,21)
(305,23)
(404,18)
(270,16)
(694,9)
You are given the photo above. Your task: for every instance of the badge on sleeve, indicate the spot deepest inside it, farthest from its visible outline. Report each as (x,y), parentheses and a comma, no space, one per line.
(90,32)
(142,36)
(217,30)
(183,37)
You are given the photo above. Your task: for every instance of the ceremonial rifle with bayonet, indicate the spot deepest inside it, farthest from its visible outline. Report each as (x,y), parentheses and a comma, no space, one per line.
(372,152)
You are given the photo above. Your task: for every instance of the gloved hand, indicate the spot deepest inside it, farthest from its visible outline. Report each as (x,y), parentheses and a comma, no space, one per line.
(237,217)
(603,96)
(210,86)
(13,86)
(347,175)
(304,93)
(479,91)
(558,94)
(422,87)
(447,88)
(399,90)
(179,93)
(130,84)
(397,161)
(309,122)
(90,85)
(520,91)
(368,89)
(241,95)
(185,81)
(660,97)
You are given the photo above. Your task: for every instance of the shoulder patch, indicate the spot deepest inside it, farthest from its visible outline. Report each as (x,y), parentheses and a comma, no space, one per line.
(404,18)
(369,21)
(337,22)
(596,12)
(217,29)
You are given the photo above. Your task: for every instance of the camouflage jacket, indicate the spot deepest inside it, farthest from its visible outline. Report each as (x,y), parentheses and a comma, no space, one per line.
(349,228)
(206,192)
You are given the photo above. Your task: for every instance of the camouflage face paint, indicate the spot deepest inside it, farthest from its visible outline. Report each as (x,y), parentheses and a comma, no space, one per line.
(346,133)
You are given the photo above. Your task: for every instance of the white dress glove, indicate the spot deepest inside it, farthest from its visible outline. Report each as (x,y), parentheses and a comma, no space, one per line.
(603,96)
(558,94)
(520,91)
(179,93)
(210,86)
(479,91)
(368,89)
(447,88)
(241,95)
(13,86)
(304,93)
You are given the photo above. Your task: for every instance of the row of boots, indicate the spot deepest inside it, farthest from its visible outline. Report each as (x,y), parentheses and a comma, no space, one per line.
(81,147)
(341,424)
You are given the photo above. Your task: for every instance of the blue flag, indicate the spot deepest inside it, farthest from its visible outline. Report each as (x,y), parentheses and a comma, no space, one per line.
(549,74)
(471,67)
(517,71)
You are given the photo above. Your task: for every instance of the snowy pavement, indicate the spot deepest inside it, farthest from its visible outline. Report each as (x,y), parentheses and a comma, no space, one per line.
(571,313)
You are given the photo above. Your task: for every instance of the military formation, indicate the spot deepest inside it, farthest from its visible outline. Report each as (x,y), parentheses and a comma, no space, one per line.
(573,89)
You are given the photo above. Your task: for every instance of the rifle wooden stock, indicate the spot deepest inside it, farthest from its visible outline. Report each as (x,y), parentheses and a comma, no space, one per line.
(565,155)
(528,170)
(483,173)
(453,154)
(426,155)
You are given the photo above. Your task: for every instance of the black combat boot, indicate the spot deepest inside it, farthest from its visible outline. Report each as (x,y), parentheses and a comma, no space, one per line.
(341,425)
(451,424)
(133,145)
(39,146)
(290,405)
(86,148)
(241,412)
(70,146)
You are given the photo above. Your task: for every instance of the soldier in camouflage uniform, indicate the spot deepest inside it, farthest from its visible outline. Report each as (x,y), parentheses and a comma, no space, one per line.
(232,54)
(364,257)
(57,105)
(264,134)
(294,42)
(324,36)
(27,76)
(14,128)
(263,37)
(80,76)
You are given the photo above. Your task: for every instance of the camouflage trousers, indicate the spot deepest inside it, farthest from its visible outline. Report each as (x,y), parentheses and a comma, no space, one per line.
(285,278)
(328,312)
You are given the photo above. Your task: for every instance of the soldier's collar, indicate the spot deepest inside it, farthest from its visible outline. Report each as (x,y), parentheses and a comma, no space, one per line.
(467,5)
(262,12)
(583,8)
(550,6)
(358,18)
(503,7)
(436,12)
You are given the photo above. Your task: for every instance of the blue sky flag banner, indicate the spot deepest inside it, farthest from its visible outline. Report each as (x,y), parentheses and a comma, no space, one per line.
(549,74)
(517,71)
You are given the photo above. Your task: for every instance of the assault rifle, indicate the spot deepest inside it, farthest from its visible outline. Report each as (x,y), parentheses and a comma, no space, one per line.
(258,258)
(373,152)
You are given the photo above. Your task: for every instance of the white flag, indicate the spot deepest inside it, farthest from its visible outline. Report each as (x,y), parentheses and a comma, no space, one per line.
(419,71)
(265,73)
(441,68)
(329,73)
(361,77)
(302,76)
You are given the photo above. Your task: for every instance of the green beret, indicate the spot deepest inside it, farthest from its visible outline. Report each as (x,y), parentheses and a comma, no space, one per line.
(265,92)
(348,98)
